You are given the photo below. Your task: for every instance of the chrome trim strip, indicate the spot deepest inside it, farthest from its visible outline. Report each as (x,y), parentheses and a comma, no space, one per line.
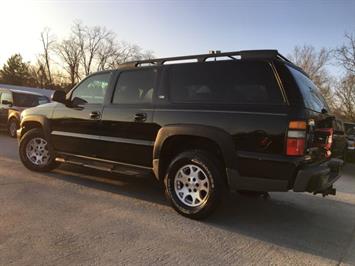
(103,160)
(219,111)
(103,138)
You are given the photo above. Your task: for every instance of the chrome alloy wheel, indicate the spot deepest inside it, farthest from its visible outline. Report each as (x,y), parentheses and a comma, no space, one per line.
(192,185)
(37,151)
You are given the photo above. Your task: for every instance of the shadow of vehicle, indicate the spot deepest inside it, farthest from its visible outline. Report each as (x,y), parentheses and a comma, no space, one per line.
(141,187)
(311,224)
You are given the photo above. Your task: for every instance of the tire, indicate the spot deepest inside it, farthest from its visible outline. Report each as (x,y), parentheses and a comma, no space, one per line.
(12,127)
(36,152)
(194,184)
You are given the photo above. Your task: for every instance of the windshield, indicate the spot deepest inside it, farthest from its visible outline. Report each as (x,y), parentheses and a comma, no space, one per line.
(29,100)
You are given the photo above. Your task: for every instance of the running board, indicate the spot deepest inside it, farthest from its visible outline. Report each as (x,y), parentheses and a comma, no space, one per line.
(112,168)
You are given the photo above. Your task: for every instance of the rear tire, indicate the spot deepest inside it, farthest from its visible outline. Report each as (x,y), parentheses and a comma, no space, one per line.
(36,152)
(194,184)
(12,127)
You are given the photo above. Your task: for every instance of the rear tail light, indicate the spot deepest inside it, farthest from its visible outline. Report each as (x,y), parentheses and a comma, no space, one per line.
(296,138)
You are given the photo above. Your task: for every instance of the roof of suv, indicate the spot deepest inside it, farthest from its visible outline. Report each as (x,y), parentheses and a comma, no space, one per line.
(23,92)
(236,55)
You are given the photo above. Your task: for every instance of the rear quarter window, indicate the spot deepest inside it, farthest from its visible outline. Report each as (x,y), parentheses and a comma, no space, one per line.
(312,96)
(29,100)
(229,82)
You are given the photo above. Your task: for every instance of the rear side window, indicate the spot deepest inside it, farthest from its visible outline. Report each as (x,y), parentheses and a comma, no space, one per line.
(242,82)
(312,97)
(135,87)
(29,100)
(6,96)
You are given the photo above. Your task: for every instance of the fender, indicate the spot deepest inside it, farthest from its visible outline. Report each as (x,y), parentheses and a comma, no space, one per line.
(13,114)
(41,119)
(217,135)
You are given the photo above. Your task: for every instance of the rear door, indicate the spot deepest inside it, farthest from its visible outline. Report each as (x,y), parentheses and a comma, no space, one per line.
(127,122)
(75,127)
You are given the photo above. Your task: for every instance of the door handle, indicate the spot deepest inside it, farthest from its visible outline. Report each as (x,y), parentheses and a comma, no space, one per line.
(95,115)
(140,117)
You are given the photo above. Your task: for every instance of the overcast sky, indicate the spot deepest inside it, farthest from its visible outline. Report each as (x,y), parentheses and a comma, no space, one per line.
(172,28)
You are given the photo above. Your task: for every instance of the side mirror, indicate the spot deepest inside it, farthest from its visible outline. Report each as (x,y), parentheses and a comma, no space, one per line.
(77,102)
(59,96)
(6,102)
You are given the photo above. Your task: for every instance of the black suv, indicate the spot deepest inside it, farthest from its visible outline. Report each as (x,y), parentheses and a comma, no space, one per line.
(242,121)
(12,103)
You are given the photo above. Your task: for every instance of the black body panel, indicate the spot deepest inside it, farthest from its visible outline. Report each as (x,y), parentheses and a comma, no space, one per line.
(249,135)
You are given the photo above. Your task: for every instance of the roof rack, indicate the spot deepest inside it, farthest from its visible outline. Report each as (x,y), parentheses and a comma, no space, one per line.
(246,54)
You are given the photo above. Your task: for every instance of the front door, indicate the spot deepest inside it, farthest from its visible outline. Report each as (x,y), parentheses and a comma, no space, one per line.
(75,126)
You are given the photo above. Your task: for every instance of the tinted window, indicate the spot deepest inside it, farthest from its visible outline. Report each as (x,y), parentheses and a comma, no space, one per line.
(93,89)
(224,83)
(312,97)
(28,100)
(134,87)
(6,96)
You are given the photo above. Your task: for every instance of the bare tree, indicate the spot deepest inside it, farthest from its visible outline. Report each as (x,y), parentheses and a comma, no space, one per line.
(91,41)
(345,94)
(129,52)
(48,43)
(107,53)
(346,53)
(314,64)
(70,54)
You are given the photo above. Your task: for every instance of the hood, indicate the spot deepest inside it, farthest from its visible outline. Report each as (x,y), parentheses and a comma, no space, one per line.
(17,108)
(43,109)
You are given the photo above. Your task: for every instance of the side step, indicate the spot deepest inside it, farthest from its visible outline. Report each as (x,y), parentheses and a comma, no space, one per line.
(102,166)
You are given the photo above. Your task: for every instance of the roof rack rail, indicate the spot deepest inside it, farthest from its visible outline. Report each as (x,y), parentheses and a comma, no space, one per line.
(246,54)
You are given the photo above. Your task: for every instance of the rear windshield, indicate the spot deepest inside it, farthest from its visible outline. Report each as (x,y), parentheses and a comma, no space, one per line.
(312,96)
(29,100)
(241,82)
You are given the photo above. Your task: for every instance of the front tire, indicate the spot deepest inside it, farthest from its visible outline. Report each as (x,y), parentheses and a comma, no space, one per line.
(12,127)
(193,184)
(36,152)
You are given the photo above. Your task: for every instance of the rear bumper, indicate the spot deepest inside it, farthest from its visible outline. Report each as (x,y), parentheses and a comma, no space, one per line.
(299,177)
(318,178)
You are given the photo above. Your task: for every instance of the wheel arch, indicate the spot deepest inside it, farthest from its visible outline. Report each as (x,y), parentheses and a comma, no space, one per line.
(180,137)
(35,121)
(13,115)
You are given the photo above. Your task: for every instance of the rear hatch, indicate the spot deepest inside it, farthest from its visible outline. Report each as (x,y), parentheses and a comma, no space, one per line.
(314,134)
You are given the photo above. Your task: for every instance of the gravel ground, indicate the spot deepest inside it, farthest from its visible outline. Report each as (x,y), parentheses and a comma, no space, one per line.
(76,216)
